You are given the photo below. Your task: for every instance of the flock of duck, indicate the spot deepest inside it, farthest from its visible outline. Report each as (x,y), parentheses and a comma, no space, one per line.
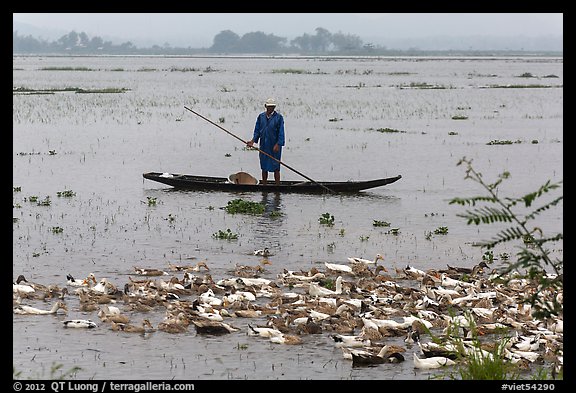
(443,317)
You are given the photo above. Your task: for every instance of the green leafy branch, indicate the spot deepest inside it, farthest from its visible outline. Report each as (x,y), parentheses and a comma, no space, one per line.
(533,257)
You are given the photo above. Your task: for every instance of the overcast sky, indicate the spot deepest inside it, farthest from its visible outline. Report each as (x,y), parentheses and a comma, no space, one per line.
(198,29)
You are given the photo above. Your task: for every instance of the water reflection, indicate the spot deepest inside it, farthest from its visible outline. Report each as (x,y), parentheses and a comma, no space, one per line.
(269,230)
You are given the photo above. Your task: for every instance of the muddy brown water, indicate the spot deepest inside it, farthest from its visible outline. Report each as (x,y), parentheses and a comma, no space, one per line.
(99,144)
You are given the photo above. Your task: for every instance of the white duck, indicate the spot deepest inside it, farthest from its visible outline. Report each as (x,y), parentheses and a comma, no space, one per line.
(262,252)
(91,278)
(366,261)
(28,310)
(317,290)
(338,267)
(22,289)
(433,362)
(103,286)
(263,331)
(79,323)
(350,341)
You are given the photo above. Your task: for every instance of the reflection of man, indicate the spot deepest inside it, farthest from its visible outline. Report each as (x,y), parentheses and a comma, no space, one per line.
(269,130)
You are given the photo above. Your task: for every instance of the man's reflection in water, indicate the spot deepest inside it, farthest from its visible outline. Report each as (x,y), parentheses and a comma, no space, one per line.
(269,231)
(271,202)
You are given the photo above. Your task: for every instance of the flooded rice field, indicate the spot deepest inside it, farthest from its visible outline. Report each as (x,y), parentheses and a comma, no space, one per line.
(85,129)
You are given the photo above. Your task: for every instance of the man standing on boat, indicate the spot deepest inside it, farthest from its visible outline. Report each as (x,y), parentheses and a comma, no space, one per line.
(269,130)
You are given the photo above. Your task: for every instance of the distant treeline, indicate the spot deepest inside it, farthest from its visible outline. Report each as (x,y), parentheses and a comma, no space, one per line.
(227,42)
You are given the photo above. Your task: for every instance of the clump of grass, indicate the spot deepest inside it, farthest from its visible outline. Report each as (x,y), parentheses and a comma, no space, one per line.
(241,206)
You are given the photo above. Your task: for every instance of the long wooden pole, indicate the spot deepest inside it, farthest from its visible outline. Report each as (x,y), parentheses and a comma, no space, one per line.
(261,151)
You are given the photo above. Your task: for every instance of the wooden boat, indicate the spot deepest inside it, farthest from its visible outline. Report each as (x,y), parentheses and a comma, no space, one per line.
(191,182)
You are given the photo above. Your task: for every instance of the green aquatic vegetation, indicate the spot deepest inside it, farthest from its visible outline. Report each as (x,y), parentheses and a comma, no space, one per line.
(66,69)
(57,229)
(326,219)
(225,235)
(151,201)
(421,85)
(531,86)
(105,90)
(241,206)
(441,231)
(459,117)
(26,90)
(66,193)
(45,202)
(499,142)
(388,130)
(290,71)
(378,223)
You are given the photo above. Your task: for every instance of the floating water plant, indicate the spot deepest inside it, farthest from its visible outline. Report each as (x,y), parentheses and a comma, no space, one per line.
(378,223)
(441,231)
(326,219)
(241,206)
(459,117)
(66,193)
(388,130)
(45,202)
(499,142)
(152,201)
(225,235)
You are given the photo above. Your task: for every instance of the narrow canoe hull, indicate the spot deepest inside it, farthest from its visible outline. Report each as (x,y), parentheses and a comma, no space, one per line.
(191,182)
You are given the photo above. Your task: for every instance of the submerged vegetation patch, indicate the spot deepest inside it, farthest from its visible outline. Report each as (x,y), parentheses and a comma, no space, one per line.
(26,90)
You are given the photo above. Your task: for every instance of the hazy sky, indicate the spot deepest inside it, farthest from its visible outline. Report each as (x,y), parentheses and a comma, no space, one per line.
(199,29)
